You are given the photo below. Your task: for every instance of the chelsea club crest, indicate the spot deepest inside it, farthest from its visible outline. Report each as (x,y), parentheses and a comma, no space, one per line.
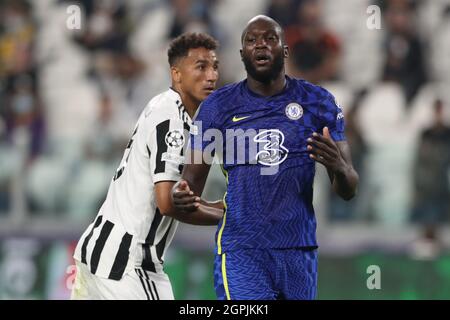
(294,111)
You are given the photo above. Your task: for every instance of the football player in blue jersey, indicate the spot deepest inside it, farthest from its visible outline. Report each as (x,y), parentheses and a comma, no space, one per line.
(266,244)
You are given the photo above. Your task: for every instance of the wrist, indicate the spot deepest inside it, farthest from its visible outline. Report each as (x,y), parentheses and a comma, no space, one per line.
(341,171)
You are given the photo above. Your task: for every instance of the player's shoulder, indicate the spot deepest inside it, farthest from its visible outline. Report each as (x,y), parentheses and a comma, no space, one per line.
(318,96)
(218,101)
(224,93)
(168,101)
(315,90)
(165,105)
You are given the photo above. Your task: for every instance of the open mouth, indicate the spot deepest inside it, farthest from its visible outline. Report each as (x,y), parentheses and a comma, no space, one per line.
(262,59)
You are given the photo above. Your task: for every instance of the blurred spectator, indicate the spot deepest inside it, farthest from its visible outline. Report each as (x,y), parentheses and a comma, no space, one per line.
(20,107)
(75,185)
(108,25)
(24,112)
(127,84)
(93,173)
(4,170)
(21,116)
(131,73)
(314,51)
(431,173)
(106,144)
(404,52)
(181,17)
(340,210)
(191,16)
(16,36)
(281,11)
(431,185)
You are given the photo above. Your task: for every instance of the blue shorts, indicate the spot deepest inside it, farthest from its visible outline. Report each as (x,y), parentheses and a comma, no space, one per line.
(266,274)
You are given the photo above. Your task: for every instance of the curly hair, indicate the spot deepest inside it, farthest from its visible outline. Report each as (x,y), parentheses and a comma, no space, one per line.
(180,46)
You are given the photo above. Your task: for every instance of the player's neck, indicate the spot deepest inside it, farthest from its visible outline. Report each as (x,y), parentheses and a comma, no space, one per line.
(190,104)
(267,89)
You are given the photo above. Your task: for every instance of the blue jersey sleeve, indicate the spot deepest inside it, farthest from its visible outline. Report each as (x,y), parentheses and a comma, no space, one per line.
(333,117)
(203,122)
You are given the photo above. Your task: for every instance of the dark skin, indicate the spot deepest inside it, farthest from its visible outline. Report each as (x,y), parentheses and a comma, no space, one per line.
(194,78)
(335,156)
(263,38)
(262,45)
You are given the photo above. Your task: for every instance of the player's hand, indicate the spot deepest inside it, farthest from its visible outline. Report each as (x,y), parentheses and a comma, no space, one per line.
(183,198)
(324,150)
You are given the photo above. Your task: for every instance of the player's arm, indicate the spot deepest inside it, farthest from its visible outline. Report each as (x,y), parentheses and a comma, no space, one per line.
(185,193)
(185,200)
(165,161)
(202,215)
(345,179)
(335,156)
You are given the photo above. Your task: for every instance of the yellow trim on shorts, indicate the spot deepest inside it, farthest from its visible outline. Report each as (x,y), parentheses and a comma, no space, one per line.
(219,236)
(224,277)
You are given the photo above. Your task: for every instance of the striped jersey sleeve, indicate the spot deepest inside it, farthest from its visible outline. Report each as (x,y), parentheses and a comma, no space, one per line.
(165,149)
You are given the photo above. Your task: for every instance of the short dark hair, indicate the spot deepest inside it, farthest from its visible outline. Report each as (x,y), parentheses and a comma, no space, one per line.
(180,46)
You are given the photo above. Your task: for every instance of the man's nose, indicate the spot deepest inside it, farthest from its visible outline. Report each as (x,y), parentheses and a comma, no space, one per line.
(261,42)
(212,75)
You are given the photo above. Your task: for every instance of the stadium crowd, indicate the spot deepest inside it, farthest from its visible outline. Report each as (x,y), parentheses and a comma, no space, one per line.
(69,98)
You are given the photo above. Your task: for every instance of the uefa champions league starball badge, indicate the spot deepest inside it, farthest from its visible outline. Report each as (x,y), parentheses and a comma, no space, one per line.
(175,139)
(294,111)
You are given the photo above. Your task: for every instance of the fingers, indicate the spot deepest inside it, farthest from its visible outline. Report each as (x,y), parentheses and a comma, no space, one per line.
(326,133)
(188,207)
(321,148)
(181,195)
(319,159)
(185,197)
(186,201)
(327,140)
(195,201)
(314,145)
(319,154)
(183,185)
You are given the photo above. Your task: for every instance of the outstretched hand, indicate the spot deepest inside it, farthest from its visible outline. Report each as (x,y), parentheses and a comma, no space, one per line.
(183,198)
(324,150)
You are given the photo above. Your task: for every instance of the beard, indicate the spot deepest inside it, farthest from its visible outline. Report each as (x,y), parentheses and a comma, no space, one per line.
(264,76)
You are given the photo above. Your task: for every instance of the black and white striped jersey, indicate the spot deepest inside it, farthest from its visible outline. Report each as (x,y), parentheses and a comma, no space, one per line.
(129,231)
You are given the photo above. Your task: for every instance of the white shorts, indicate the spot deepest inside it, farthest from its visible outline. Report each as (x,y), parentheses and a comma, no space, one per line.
(135,285)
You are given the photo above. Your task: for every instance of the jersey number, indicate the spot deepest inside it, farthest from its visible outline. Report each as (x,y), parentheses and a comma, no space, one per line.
(126,155)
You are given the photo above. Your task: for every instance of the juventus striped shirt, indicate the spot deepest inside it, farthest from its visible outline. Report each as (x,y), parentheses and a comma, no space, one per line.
(129,231)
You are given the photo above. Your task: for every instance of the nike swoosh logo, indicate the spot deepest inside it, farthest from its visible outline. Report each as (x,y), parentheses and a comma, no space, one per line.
(235,119)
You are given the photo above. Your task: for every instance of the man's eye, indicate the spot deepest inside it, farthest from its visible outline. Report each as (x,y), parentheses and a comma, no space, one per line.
(201,67)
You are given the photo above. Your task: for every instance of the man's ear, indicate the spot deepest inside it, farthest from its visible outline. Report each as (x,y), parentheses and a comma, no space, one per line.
(286,51)
(176,74)
(240,51)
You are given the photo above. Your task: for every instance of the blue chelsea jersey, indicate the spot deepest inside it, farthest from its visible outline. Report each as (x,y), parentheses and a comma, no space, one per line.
(268,203)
